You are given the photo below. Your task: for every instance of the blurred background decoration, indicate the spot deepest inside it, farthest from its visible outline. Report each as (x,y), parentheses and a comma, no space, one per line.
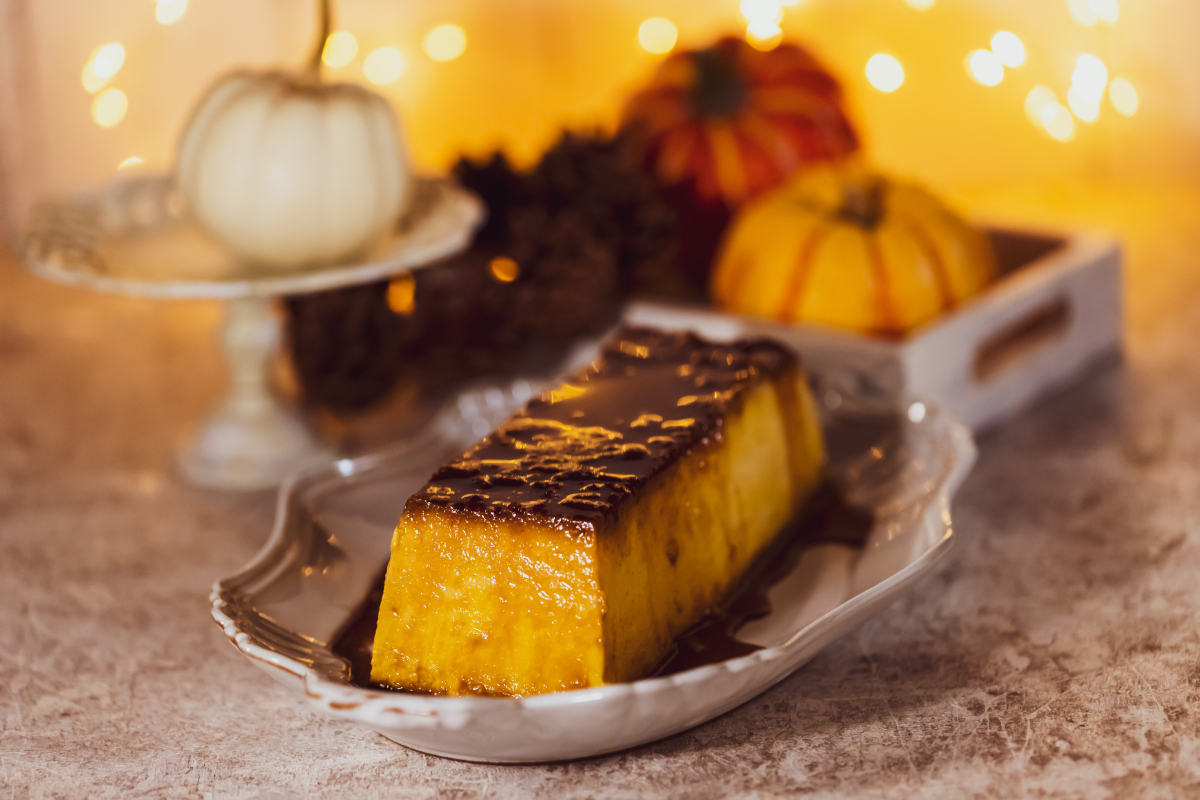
(958,93)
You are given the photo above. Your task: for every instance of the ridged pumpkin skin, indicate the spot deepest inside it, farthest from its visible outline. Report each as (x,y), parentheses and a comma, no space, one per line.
(735,121)
(289,172)
(850,249)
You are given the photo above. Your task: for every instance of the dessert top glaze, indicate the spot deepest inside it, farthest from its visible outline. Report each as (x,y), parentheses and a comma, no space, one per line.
(577,452)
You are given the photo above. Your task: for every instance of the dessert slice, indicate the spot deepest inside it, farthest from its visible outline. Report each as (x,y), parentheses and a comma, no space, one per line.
(570,547)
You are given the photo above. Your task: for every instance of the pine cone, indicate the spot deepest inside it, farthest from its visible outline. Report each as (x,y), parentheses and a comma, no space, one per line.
(346,345)
(586,228)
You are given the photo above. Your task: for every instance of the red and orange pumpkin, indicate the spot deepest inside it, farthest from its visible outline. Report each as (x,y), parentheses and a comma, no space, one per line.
(734,121)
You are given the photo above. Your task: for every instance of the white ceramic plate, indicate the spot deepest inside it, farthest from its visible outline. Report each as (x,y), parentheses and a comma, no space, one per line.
(333,531)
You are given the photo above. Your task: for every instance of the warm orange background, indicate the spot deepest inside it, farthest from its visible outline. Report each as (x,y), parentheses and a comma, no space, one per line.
(533,66)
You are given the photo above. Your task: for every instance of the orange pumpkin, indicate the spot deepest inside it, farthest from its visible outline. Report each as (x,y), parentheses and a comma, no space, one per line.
(845,247)
(735,121)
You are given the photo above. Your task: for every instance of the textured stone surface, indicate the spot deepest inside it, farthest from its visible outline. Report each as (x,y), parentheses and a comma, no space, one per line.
(1056,656)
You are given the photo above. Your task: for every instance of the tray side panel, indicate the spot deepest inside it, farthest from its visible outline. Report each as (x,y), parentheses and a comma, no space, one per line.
(1038,333)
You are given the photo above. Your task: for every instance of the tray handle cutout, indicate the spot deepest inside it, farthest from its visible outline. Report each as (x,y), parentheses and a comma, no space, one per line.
(1018,341)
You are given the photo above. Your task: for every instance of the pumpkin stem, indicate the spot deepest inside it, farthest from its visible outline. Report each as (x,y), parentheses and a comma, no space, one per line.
(324,26)
(862,203)
(719,91)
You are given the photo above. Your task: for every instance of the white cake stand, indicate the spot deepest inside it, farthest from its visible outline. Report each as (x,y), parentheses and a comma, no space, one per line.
(135,238)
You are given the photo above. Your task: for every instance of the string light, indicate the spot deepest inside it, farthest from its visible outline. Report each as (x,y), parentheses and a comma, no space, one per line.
(657,35)
(103,64)
(1087,12)
(1123,96)
(1089,78)
(383,66)
(1038,98)
(885,73)
(169,11)
(402,294)
(985,67)
(91,83)
(340,49)
(445,43)
(1009,48)
(504,269)
(1082,11)
(1047,114)
(1106,10)
(109,107)
(762,22)
(757,10)
(1087,110)
(108,60)
(1057,121)
(764,35)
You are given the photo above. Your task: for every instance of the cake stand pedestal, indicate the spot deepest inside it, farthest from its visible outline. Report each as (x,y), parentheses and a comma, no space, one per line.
(252,440)
(135,238)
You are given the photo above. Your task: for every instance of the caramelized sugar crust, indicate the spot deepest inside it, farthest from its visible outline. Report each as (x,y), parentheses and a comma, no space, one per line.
(577,453)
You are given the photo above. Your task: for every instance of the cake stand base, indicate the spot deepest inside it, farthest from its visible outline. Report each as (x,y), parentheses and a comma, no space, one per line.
(252,441)
(133,237)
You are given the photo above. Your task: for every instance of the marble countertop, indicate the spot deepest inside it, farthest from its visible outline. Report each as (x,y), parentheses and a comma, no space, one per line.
(1057,655)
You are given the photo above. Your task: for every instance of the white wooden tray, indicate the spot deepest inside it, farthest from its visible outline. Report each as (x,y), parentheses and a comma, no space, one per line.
(1054,312)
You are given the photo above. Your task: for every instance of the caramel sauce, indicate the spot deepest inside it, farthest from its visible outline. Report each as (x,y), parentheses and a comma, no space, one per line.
(576,453)
(356,640)
(824,520)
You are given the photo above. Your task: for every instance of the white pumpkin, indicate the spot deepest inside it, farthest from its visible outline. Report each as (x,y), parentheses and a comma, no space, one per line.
(288,171)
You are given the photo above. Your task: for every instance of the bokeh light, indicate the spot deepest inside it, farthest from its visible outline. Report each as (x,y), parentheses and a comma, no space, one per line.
(108,60)
(1009,48)
(1087,110)
(103,64)
(1049,115)
(1058,122)
(91,81)
(1123,96)
(920,5)
(132,161)
(1038,98)
(1089,78)
(985,67)
(402,294)
(504,269)
(762,11)
(884,72)
(383,66)
(764,34)
(445,43)
(1106,10)
(169,11)
(657,35)
(762,22)
(340,49)
(1082,11)
(109,107)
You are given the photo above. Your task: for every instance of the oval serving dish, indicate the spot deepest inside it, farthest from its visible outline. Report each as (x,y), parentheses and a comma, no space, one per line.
(333,531)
